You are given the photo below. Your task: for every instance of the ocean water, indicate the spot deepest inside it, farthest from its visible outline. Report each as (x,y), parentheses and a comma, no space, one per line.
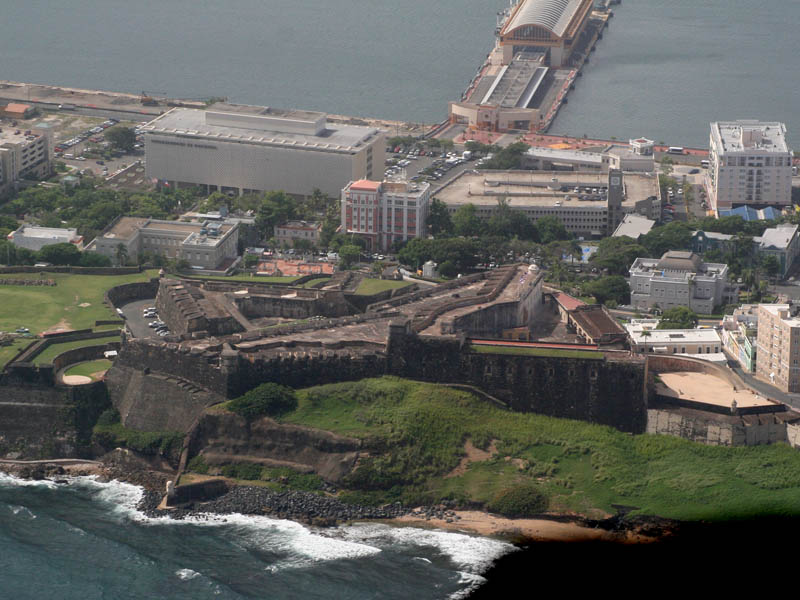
(666,69)
(86,540)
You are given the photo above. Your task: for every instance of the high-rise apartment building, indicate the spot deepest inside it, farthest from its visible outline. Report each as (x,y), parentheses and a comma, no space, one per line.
(778,343)
(749,163)
(385,212)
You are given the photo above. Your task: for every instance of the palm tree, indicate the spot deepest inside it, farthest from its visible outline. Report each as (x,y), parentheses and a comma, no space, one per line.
(121,254)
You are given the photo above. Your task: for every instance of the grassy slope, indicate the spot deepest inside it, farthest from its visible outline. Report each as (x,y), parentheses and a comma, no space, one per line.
(88,368)
(368,287)
(54,350)
(584,468)
(40,308)
(522,351)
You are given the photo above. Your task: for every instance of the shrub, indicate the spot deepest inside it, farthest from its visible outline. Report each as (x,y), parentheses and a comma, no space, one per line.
(108,417)
(521,501)
(268,399)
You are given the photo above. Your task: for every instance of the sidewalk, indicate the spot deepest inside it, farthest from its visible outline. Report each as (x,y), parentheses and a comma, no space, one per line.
(768,390)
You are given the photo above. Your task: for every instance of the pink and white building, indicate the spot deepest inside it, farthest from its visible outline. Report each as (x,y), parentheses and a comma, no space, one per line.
(385,212)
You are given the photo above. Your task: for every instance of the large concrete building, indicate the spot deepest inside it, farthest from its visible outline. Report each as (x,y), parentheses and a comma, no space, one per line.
(552,26)
(778,342)
(236,148)
(680,279)
(35,238)
(385,212)
(207,245)
(636,157)
(590,205)
(749,163)
(23,154)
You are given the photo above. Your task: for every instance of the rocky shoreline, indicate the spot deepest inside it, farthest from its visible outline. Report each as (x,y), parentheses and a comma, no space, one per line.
(326,511)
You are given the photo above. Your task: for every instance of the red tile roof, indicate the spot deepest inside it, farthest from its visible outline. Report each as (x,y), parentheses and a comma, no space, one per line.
(567,301)
(365,185)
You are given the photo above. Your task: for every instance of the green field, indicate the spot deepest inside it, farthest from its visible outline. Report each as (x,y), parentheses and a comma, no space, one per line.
(54,350)
(316,280)
(248,277)
(87,369)
(416,433)
(368,287)
(10,351)
(522,351)
(40,308)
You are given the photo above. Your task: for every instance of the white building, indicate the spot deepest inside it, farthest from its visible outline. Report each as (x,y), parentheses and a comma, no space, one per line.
(385,212)
(636,157)
(24,153)
(680,279)
(286,234)
(207,245)
(749,163)
(35,238)
(703,343)
(633,226)
(240,149)
(590,205)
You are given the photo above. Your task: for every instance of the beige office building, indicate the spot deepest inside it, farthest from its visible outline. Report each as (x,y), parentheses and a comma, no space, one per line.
(23,154)
(237,148)
(206,245)
(589,204)
(778,344)
(749,163)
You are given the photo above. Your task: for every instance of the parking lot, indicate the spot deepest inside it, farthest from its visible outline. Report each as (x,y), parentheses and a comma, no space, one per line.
(135,322)
(446,167)
(71,150)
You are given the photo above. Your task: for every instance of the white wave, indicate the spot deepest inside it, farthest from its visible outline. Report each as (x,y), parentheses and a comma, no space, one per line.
(469,553)
(471,580)
(187,574)
(421,559)
(7,480)
(23,511)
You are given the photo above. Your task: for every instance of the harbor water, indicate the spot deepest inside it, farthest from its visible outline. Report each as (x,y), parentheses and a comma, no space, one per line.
(85,540)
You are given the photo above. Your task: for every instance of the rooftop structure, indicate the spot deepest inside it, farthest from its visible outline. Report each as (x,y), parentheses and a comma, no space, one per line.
(633,226)
(35,238)
(554,25)
(700,343)
(636,157)
(680,279)
(748,213)
(244,148)
(595,325)
(206,245)
(749,163)
(588,204)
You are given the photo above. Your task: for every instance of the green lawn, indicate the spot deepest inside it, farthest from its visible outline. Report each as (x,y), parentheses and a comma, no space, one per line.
(54,350)
(8,352)
(415,433)
(316,280)
(40,308)
(87,369)
(521,351)
(368,287)
(248,277)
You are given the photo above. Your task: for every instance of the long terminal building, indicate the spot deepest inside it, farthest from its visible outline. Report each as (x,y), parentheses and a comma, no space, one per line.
(240,149)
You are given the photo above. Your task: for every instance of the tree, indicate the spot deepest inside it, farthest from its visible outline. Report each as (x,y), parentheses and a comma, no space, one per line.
(507,222)
(93,259)
(268,399)
(551,229)
(121,254)
(466,221)
(121,138)
(679,317)
(439,221)
(60,254)
(348,255)
(617,254)
(770,265)
(605,289)
(667,165)
(509,157)
(673,236)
